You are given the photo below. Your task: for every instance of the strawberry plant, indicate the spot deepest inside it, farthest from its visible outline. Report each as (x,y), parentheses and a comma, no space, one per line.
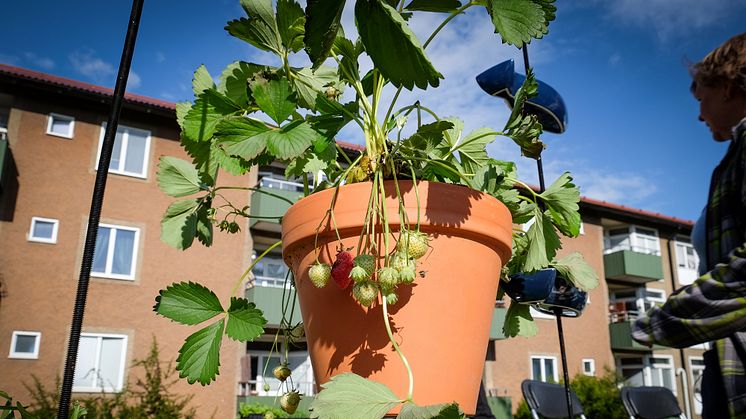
(255,114)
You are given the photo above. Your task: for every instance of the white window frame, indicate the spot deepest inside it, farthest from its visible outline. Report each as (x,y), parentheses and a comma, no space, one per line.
(55,116)
(700,368)
(125,138)
(635,240)
(671,370)
(55,228)
(592,364)
(543,358)
(120,382)
(305,388)
(110,254)
(24,355)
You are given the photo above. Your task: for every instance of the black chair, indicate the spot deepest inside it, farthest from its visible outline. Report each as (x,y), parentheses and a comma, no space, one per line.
(650,403)
(549,400)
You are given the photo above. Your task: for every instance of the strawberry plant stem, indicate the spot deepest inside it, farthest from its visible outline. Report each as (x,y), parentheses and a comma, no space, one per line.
(246,273)
(397,349)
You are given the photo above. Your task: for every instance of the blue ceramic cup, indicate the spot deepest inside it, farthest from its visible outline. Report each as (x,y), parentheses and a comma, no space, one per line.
(532,287)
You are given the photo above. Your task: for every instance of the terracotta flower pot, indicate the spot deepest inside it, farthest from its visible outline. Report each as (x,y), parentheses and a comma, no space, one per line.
(441,322)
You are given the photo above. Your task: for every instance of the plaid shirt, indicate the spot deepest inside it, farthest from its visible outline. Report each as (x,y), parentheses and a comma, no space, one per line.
(713,308)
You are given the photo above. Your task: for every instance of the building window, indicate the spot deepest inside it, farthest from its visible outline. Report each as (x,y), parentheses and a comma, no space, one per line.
(661,372)
(300,366)
(544,368)
(43,230)
(687,261)
(697,367)
(633,371)
(115,252)
(634,238)
(589,367)
(100,363)
(270,271)
(60,125)
(628,304)
(129,156)
(25,345)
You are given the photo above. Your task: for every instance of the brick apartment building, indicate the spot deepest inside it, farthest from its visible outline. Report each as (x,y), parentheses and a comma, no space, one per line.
(50,133)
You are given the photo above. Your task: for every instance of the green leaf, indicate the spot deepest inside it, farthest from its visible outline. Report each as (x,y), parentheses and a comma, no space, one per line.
(290,23)
(201,80)
(518,21)
(177,177)
(410,410)
(245,321)
(322,25)
(577,271)
(309,83)
(182,108)
(518,321)
(438,6)
(204,226)
(472,150)
(562,199)
(525,133)
(201,120)
(260,29)
(187,303)
(275,98)
(428,139)
(381,28)
(543,242)
(179,224)
(349,395)
(349,69)
(199,357)
(234,81)
(240,136)
(291,140)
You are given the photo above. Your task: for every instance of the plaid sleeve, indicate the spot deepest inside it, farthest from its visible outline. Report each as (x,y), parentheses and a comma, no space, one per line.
(713,307)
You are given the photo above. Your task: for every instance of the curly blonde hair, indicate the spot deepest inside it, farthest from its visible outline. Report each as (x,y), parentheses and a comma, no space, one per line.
(725,64)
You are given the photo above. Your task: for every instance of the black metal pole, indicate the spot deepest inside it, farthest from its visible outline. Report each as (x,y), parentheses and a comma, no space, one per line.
(557,311)
(96,205)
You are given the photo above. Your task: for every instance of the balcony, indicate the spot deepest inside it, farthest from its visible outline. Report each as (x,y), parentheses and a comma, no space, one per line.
(270,206)
(498,319)
(632,267)
(269,300)
(621,338)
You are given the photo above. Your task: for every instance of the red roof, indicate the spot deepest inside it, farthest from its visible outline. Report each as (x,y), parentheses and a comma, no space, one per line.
(163,104)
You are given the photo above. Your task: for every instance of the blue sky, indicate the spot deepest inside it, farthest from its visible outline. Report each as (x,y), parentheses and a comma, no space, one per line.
(621,66)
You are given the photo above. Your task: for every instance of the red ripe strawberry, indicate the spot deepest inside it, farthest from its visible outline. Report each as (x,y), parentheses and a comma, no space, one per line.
(341,269)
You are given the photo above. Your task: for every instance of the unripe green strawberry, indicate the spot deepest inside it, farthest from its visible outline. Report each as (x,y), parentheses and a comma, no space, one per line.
(367,262)
(359,274)
(388,278)
(267,387)
(289,401)
(269,415)
(365,293)
(413,243)
(407,275)
(281,372)
(319,274)
(392,298)
(401,261)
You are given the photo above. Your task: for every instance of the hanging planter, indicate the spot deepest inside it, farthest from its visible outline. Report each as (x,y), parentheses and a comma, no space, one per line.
(442,318)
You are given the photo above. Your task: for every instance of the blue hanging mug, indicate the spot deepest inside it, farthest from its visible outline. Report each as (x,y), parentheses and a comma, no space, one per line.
(565,296)
(530,288)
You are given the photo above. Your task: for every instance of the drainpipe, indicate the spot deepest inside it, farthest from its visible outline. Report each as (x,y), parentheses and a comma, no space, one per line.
(680,371)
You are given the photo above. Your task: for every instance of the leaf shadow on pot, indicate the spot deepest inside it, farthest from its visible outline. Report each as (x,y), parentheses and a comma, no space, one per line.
(445,205)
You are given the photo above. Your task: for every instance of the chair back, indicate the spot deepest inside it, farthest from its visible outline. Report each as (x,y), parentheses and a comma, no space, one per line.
(650,402)
(549,400)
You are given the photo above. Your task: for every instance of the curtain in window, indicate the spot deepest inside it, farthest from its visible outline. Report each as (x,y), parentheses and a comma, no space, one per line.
(116,152)
(43,229)
(85,365)
(101,249)
(123,251)
(109,370)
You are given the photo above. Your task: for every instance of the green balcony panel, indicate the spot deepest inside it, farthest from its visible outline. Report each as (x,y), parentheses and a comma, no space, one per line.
(498,319)
(621,338)
(270,206)
(633,267)
(269,300)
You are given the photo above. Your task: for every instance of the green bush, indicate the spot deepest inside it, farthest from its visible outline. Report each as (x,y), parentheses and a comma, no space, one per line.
(598,395)
(246,409)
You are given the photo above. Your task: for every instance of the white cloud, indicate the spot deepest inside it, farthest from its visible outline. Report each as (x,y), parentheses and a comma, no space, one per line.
(673,18)
(615,58)
(44,63)
(87,64)
(134,80)
(160,57)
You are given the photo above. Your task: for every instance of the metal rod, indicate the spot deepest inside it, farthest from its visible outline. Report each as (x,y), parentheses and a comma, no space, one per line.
(557,311)
(96,206)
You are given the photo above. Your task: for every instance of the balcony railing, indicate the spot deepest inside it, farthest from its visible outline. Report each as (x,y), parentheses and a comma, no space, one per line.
(269,281)
(285,185)
(632,267)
